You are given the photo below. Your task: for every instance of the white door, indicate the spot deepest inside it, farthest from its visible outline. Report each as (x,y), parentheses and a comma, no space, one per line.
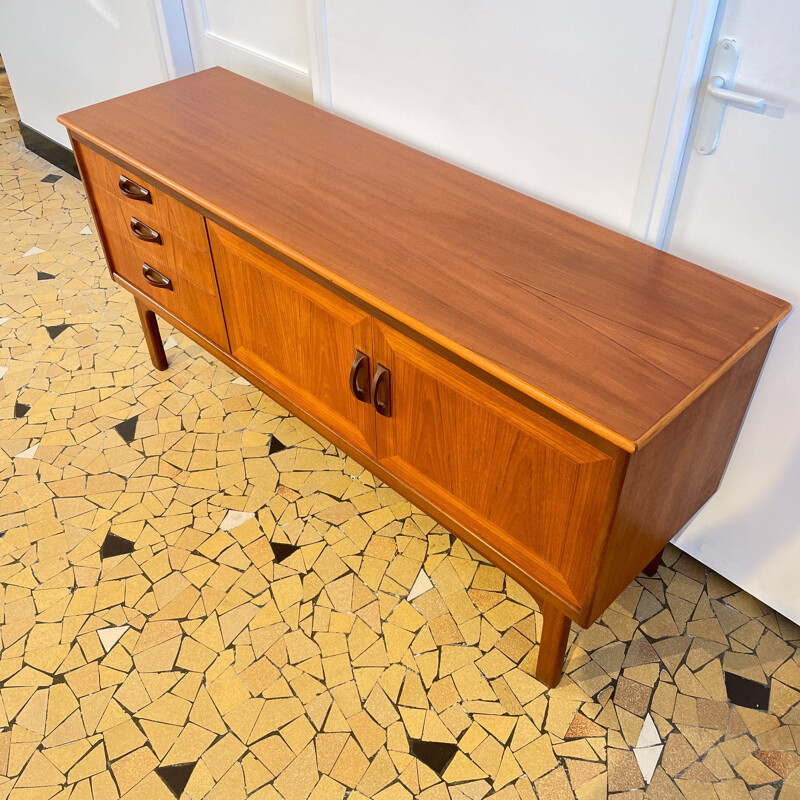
(266,40)
(738,212)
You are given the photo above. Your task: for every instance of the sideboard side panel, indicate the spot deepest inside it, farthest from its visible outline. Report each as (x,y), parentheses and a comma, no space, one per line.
(671,477)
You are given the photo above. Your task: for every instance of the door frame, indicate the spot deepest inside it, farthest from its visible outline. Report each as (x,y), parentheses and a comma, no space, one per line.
(318,56)
(176,45)
(685,57)
(171,22)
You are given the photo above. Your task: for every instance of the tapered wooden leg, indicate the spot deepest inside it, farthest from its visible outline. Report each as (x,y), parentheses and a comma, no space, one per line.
(152,335)
(553,645)
(652,567)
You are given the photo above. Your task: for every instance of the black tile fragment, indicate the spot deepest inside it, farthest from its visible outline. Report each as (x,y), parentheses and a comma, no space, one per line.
(114,545)
(275,445)
(436,755)
(127,428)
(56,330)
(44,276)
(20,410)
(60,678)
(744,692)
(176,776)
(51,178)
(282,551)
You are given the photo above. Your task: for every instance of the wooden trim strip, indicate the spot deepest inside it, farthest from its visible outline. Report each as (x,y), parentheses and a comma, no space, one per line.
(766,330)
(89,189)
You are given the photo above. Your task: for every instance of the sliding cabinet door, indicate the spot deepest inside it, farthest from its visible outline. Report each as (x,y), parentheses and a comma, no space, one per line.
(528,488)
(309,344)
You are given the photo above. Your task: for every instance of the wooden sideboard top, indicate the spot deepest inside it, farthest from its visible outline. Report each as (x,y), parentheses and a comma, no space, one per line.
(609,332)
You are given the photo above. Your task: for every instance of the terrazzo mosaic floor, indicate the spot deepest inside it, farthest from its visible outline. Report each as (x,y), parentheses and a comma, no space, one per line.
(200,598)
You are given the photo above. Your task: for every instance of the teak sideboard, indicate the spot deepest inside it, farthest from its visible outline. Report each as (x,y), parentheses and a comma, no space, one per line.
(561,397)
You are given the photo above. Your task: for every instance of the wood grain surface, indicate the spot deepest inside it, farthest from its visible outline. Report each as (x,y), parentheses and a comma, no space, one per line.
(611,333)
(669,479)
(159,210)
(532,583)
(186,299)
(299,337)
(533,491)
(194,264)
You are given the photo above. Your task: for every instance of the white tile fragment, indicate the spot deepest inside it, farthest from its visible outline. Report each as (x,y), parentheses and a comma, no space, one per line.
(649,736)
(30,452)
(648,748)
(421,585)
(110,636)
(647,758)
(235,518)
(34,251)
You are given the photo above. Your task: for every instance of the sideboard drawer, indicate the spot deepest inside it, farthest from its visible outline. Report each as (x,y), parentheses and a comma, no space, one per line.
(137,197)
(157,240)
(169,288)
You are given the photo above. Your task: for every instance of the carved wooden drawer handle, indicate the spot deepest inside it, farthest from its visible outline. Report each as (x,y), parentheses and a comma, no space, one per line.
(360,368)
(382,391)
(144,232)
(132,190)
(155,278)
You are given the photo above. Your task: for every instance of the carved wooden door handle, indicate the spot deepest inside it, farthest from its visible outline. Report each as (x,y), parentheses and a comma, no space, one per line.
(360,370)
(382,391)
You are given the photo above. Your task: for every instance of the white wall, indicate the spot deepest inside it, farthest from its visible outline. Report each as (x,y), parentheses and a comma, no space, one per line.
(64,54)
(555,99)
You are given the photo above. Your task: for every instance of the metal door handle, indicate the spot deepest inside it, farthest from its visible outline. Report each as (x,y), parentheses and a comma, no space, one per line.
(382,391)
(155,278)
(360,368)
(716,88)
(132,190)
(718,94)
